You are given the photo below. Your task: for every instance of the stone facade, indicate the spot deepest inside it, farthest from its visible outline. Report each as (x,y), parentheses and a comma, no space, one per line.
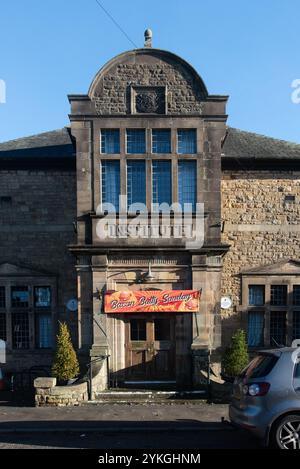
(50,209)
(113,102)
(112,93)
(260,212)
(37,211)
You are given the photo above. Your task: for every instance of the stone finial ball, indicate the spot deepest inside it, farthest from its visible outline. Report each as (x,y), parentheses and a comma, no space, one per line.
(148,33)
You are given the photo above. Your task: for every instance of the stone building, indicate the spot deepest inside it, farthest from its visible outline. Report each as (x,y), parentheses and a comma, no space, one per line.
(147,130)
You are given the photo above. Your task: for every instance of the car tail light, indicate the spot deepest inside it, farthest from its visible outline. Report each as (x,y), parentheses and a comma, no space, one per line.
(257,389)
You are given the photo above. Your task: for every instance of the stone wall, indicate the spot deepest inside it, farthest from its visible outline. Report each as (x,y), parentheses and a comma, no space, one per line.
(37,209)
(261,226)
(182,95)
(47,394)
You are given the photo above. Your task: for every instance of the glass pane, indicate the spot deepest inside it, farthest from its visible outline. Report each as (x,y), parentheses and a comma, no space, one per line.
(138,329)
(162,329)
(161,182)
(296,295)
(110,141)
(19,297)
(111,183)
(2,297)
(2,326)
(278,295)
(136,141)
(256,295)
(296,325)
(277,328)
(187,183)
(161,141)
(260,366)
(255,329)
(42,297)
(20,330)
(187,141)
(136,182)
(44,328)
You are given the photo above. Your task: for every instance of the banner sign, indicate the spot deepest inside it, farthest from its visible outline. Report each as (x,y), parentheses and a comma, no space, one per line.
(152,301)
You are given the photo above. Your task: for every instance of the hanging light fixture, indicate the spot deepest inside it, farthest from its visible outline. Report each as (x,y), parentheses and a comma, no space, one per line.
(149,276)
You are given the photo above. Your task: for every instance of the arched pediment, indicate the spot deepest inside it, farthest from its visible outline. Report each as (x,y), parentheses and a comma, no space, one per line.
(148,81)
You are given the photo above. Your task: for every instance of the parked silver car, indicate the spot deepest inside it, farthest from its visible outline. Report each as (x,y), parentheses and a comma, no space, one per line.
(266,398)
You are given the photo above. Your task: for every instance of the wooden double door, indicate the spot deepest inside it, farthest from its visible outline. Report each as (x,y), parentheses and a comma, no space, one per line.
(150,347)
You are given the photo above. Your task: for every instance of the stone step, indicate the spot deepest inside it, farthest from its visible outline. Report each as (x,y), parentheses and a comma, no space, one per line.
(138,396)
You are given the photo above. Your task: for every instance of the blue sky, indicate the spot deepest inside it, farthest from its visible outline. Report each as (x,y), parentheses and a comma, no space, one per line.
(249,50)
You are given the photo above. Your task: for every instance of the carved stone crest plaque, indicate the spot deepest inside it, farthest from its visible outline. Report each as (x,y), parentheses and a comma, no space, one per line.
(148,100)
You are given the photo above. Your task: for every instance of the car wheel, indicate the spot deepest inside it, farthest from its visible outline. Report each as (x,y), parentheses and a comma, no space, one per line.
(286,433)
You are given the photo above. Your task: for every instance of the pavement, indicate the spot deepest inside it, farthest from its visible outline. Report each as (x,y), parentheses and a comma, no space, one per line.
(114,417)
(172,425)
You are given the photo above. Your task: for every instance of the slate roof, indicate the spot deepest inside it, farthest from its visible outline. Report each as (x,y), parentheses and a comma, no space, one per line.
(238,144)
(54,144)
(242,144)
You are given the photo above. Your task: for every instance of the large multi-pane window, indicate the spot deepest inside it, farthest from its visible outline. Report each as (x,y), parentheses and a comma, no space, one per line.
(161,182)
(26,315)
(161,141)
(110,141)
(187,141)
(187,183)
(278,328)
(135,141)
(256,295)
(136,182)
(255,328)
(296,325)
(20,330)
(44,330)
(278,295)
(273,309)
(111,182)
(19,297)
(2,297)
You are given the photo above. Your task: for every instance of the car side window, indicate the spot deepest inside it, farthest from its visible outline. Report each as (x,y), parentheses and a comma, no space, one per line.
(297,377)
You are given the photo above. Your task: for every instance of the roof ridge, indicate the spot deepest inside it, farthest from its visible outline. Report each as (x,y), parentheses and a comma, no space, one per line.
(288,142)
(66,127)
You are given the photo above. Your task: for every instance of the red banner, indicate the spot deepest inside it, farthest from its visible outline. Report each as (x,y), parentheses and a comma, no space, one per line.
(152,301)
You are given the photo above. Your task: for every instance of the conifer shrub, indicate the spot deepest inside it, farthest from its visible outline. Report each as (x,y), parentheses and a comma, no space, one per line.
(65,365)
(236,357)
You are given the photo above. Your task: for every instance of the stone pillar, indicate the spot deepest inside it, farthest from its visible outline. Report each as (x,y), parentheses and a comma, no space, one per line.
(100,346)
(206,322)
(85,303)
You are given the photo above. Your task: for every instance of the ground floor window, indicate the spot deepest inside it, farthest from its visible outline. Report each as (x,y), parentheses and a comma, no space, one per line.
(20,330)
(278,328)
(44,330)
(296,325)
(256,329)
(3,326)
(272,307)
(26,312)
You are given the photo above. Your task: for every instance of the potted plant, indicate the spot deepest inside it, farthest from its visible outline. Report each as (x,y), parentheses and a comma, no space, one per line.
(65,365)
(236,357)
